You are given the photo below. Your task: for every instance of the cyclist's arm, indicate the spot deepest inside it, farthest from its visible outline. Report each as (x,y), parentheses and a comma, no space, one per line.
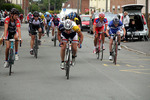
(59,35)
(81,36)
(5,30)
(19,32)
(107,31)
(94,26)
(106,25)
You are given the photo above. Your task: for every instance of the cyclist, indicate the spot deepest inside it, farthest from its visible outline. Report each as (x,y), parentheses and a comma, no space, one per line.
(35,24)
(98,26)
(43,19)
(12,30)
(73,16)
(114,28)
(69,29)
(48,19)
(55,22)
(29,16)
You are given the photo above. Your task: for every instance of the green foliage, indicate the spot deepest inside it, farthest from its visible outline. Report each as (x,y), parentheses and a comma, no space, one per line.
(34,7)
(52,11)
(1,3)
(9,6)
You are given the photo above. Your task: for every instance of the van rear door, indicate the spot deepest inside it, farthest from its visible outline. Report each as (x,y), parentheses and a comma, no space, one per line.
(133,8)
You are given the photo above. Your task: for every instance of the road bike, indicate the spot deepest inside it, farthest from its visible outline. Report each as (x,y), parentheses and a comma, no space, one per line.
(55,35)
(68,61)
(99,49)
(36,45)
(11,56)
(115,48)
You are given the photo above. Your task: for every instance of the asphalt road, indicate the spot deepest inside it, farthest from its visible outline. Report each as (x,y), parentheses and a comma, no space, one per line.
(90,79)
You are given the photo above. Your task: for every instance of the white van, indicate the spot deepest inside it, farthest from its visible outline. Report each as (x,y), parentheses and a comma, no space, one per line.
(134,12)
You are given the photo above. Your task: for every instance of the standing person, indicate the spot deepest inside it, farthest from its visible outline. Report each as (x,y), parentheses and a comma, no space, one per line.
(12,31)
(125,20)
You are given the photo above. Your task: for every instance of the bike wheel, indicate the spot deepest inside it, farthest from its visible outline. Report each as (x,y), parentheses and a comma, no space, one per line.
(36,47)
(55,41)
(68,65)
(101,50)
(47,31)
(10,69)
(115,52)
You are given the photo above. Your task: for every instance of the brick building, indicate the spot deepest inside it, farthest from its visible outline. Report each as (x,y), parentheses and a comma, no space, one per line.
(73,4)
(115,5)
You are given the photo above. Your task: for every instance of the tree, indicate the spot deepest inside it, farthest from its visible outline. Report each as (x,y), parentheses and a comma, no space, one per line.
(1,3)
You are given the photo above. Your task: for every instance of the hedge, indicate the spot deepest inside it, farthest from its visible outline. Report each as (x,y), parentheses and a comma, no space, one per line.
(9,6)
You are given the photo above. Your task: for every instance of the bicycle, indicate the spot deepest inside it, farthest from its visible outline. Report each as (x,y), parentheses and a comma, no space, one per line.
(115,48)
(55,33)
(36,46)
(11,56)
(68,54)
(99,49)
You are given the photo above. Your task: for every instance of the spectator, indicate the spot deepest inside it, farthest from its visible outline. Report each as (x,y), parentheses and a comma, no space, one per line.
(21,17)
(126,20)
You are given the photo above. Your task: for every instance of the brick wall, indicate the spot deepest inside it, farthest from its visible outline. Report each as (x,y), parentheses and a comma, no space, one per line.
(120,3)
(73,4)
(25,3)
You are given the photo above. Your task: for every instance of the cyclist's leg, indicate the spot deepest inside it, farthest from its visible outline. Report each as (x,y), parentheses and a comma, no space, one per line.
(63,48)
(7,49)
(103,36)
(33,33)
(119,40)
(53,27)
(110,42)
(96,36)
(40,32)
(75,44)
(16,43)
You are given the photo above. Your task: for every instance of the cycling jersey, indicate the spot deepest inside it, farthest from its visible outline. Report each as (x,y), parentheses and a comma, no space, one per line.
(98,23)
(35,25)
(11,27)
(56,22)
(73,35)
(112,29)
(29,16)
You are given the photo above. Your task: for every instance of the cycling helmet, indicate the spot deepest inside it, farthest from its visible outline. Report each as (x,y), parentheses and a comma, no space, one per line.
(47,13)
(36,14)
(71,15)
(30,13)
(101,15)
(14,11)
(40,14)
(116,20)
(68,24)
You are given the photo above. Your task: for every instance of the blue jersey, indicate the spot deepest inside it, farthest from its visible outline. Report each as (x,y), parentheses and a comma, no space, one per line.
(112,29)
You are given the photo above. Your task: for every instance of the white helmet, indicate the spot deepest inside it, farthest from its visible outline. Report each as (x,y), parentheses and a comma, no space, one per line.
(40,14)
(68,24)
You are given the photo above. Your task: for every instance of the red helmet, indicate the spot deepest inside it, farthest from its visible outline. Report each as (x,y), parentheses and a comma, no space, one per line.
(101,15)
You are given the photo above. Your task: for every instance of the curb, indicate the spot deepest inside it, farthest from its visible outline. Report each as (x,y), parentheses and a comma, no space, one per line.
(127,48)
(140,52)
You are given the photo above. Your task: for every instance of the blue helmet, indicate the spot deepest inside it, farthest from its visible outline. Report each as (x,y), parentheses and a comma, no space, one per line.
(72,15)
(47,13)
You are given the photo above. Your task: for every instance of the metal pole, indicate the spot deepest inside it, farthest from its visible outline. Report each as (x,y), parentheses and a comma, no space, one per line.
(48,4)
(55,7)
(81,6)
(106,5)
(146,11)
(78,7)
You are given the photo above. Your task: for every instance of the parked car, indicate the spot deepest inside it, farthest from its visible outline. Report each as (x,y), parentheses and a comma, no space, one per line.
(108,15)
(2,19)
(134,12)
(85,22)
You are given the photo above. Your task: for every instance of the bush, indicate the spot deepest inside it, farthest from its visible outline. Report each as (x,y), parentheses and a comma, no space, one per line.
(9,6)
(52,11)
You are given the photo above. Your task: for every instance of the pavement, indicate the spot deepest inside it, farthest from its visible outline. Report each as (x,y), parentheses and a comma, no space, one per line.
(142,47)
(90,78)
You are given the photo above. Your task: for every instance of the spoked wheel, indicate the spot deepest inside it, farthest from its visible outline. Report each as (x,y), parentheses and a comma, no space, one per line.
(115,53)
(68,65)
(47,31)
(97,52)
(10,69)
(101,51)
(55,41)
